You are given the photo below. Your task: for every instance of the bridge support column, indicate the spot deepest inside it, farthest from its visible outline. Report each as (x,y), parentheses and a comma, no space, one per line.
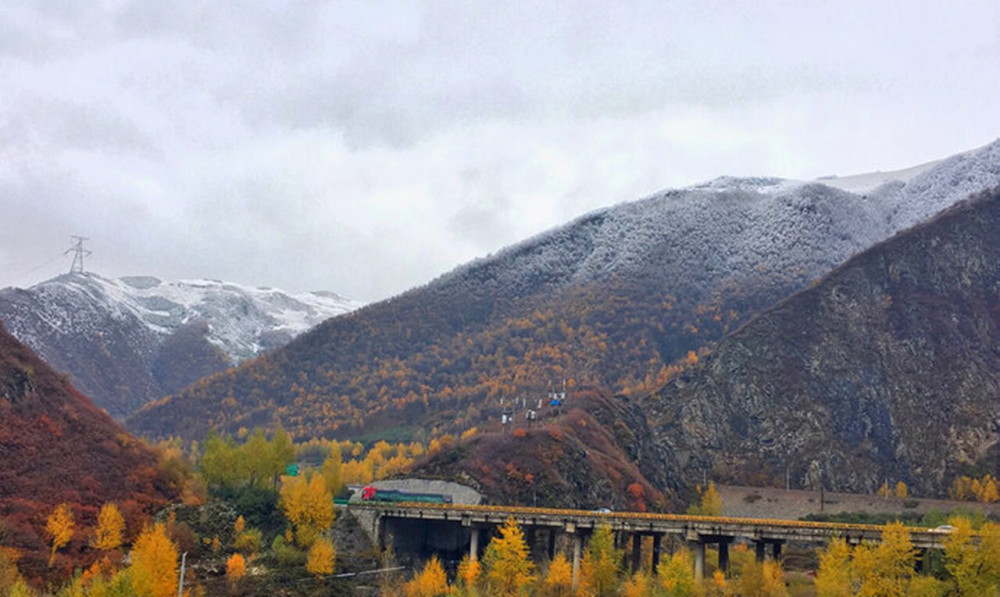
(724,554)
(474,544)
(552,544)
(759,547)
(636,552)
(577,552)
(698,551)
(921,560)
(657,538)
(776,551)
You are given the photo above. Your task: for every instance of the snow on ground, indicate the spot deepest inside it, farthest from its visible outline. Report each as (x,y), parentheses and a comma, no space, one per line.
(242,320)
(868,182)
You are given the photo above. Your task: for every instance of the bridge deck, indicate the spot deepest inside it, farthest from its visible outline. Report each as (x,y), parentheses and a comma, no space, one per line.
(697,528)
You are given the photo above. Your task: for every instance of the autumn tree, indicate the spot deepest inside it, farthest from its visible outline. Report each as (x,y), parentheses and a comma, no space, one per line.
(974,568)
(765,579)
(110,528)
(833,577)
(509,571)
(236,569)
(331,471)
(308,506)
(154,563)
(467,575)
(60,526)
(281,453)
(601,564)
(322,557)
(639,584)
(246,539)
(9,574)
(20,589)
(429,582)
(885,568)
(717,585)
(676,575)
(902,490)
(710,503)
(558,581)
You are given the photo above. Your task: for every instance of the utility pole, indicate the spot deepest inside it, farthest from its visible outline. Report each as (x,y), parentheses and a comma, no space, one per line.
(78,253)
(180,581)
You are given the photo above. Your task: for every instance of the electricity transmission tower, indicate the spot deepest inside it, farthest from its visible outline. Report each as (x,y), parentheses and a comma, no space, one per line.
(78,254)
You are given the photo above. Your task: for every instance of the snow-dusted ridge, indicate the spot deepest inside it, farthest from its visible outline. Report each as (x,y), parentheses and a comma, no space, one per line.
(735,230)
(242,320)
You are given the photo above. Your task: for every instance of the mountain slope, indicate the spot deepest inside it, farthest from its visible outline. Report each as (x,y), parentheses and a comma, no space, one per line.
(596,453)
(887,369)
(611,299)
(130,340)
(57,447)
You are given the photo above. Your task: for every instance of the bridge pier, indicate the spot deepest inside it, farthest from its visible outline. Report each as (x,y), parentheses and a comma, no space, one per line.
(577,552)
(724,553)
(474,543)
(760,548)
(636,552)
(698,551)
(657,539)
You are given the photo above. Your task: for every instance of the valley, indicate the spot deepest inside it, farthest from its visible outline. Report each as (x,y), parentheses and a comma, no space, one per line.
(685,353)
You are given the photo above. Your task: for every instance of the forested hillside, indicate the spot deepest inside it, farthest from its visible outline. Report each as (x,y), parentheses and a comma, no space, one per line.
(888,369)
(56,447)
(619,298)
(596,452)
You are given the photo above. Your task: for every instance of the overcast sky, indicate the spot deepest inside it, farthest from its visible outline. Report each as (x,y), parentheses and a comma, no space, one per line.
(367,147)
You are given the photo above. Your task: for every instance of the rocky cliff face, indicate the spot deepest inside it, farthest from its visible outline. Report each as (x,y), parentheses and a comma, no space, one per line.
(887,369)
(125,342)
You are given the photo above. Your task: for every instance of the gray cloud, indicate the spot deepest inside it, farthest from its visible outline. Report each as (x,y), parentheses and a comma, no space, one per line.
(366,147)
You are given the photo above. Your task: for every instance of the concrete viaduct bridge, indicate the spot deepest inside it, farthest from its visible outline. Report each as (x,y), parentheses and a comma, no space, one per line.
(455,528)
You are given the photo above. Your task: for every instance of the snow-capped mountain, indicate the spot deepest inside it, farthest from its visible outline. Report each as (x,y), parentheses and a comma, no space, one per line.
(615,297)
(129,340)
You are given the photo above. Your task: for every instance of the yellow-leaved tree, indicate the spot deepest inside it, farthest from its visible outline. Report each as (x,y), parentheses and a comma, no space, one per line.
(331,470)
(887,567)
(110,528)
(322,557)
(558,580)
(710,503)
(308,506)
(833,579)
(639,584)
(974,565)
(60,526)
(154,563)
(676,575)
(508,570)
(467,575)
(429,582)
(601,566)
(236,569)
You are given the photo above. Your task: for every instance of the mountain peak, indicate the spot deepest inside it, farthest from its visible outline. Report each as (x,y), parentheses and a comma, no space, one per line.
(131,324)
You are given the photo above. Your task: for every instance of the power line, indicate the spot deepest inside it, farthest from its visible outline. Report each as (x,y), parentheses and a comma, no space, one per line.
(36,268)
